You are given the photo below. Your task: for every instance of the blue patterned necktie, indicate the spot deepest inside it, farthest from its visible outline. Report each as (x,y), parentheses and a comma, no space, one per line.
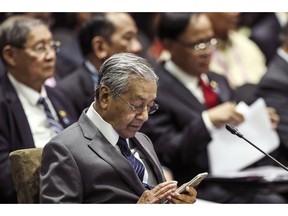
(53,123)
(137,165)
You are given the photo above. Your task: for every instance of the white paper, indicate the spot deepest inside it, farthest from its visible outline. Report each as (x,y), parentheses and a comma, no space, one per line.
(267,173)
(229,153)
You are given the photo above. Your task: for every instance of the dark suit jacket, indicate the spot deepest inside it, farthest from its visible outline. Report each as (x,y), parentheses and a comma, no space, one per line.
(177,129)
(265,33)
(273,87)
(15,131)
(81,166)
(70,57)
(79,88)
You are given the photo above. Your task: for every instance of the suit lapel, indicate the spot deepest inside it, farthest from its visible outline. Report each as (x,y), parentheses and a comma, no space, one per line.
(62,114)
(108,153)
(156,166)
(100,146)
(18,113)
(176,88)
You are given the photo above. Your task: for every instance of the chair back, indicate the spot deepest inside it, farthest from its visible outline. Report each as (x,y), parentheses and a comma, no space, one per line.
(25,168)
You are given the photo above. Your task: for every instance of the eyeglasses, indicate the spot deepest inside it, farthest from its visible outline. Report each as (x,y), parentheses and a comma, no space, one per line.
(43,48)
(140,109)
(199,46)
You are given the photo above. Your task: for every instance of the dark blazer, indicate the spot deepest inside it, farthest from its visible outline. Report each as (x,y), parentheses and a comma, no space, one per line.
(88,169)
(177,129)
(15,131)
(79,88)
(70,56)
(273,87)
(265,33)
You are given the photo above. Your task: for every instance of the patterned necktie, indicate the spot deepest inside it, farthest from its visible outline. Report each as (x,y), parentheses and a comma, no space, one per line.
(137,165)
(53,123)
(210,96)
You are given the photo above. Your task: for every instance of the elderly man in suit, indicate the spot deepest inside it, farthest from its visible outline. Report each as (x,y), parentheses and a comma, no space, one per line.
(103,158)
(30,112)
(193,102)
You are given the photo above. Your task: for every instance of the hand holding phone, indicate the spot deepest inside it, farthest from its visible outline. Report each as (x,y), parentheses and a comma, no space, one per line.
(193,182)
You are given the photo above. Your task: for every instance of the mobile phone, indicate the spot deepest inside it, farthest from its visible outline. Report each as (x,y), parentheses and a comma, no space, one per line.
(193,182)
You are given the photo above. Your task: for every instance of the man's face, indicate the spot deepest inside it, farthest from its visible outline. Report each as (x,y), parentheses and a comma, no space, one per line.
(35,62)
(124,39)
(182,51)
(118,113)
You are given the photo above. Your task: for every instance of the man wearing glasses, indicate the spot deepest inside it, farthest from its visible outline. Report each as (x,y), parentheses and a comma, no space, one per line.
(103,158)
(30,112)
(192,103)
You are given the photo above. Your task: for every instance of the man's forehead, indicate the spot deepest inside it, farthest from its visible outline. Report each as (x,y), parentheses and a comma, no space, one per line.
(38,34)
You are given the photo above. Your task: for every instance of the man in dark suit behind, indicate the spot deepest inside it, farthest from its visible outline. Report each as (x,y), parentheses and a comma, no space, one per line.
(265,31)
(29,55)
(85,163)
(273,88)
(100,37)
(181,129)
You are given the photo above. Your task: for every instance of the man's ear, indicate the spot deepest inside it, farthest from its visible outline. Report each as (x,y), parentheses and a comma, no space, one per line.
(100,46)
(9,53)
(104,96)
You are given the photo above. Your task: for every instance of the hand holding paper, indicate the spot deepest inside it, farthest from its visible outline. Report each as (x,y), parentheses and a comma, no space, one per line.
(228,153)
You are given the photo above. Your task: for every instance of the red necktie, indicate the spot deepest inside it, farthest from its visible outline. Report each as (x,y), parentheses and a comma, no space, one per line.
(210,96)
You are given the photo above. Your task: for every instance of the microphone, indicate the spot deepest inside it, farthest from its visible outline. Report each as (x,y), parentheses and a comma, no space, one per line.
(235,131)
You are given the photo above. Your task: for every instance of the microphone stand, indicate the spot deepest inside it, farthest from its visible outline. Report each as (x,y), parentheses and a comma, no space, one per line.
(235,131)
(280,164)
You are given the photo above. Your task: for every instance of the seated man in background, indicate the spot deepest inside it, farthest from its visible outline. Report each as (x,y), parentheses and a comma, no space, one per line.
(193,102)
(273,89)
(30,112)
(100,37)
(265,30)
(102,158)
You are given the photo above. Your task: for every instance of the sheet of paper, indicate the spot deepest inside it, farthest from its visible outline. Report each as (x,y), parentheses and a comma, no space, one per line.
(267,173)
(229,153)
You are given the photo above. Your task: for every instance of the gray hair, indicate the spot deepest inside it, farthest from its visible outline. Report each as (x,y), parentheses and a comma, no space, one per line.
(117,70)
(15,29)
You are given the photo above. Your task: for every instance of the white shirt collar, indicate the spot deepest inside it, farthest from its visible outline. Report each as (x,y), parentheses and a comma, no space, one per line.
(182,76)
(25,91)
(104,127)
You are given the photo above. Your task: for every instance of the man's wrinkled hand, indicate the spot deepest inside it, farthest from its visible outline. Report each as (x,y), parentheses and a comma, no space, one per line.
(188,197)
(159,193)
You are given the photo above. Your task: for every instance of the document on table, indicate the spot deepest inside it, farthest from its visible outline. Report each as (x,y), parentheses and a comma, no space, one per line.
(263,173)
(229,153)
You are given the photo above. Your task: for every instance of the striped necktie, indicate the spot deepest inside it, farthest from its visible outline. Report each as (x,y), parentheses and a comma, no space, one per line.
(53,123)
(137,165)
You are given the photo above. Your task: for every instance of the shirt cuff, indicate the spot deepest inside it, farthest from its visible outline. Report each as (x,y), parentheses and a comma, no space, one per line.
(209,125)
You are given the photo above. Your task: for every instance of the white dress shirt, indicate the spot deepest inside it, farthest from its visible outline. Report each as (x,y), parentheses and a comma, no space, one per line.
(41,130)
(191,83)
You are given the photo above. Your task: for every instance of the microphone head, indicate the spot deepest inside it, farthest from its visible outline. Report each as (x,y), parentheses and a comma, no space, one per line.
(233,130)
